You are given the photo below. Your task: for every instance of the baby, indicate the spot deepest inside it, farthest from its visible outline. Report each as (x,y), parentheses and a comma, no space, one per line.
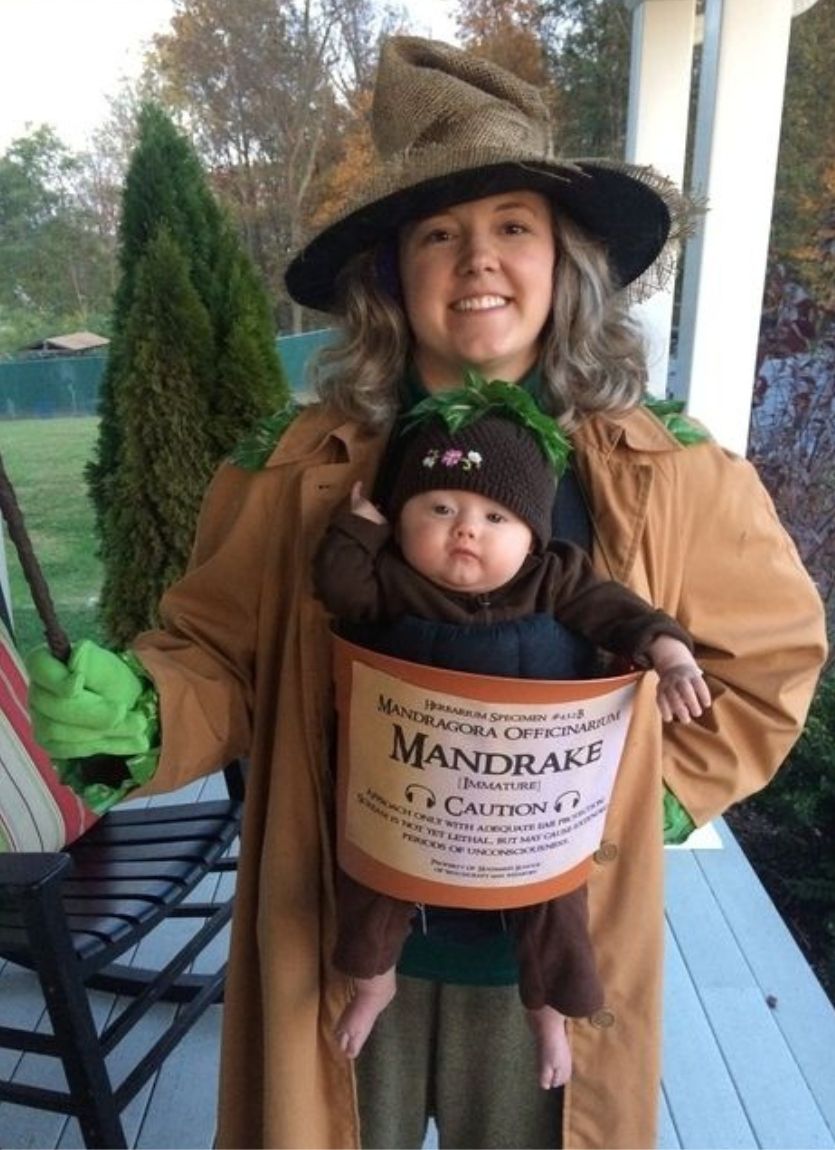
(471,546)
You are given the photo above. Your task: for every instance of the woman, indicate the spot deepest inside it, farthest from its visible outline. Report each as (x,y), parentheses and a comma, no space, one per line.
(453,258)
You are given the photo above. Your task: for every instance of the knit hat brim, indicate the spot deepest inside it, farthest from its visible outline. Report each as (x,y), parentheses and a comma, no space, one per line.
(492,456)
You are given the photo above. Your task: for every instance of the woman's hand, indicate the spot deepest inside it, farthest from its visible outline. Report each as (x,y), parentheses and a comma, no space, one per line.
(364,507)
(93,705)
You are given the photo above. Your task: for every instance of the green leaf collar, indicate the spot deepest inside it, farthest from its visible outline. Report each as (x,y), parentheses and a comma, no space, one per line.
(253,452)
(670,412)
(464,405)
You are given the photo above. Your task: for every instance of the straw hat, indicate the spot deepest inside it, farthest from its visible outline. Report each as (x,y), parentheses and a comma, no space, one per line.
(450,127)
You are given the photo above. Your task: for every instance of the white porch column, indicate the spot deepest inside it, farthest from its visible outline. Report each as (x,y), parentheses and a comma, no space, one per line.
(659,93)
(743,72)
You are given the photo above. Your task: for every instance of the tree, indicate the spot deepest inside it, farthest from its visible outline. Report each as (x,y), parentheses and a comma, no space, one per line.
(251,80)
(161,405)
(587,45)
(56,267)
(792,441)
(208,389)
(576,51)
(508,32)
(268,87)
(803,224)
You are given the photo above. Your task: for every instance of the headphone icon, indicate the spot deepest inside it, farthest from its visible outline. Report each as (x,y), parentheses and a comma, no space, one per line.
(564,798)
(429,799)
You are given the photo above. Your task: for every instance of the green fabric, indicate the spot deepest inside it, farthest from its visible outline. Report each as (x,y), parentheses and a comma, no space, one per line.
(412,390)
(463,1054)
(90,667)
(96,704)
(97,717)
(678,826)
(100,796)
(488,963)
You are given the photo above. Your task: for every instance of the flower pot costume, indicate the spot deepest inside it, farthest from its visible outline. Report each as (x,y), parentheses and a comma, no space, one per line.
(243,663)
(362,577)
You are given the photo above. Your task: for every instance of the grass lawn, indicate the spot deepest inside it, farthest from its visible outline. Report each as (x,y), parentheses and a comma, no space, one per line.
(45,458)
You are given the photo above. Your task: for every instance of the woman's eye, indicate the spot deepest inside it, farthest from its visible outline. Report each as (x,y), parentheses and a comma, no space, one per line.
(514,228)
(436,236)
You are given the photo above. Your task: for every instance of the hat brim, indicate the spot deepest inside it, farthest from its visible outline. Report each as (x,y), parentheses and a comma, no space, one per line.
(622,205)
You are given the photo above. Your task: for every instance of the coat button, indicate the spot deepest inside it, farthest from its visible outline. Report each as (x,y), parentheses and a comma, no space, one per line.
(602,1019)
(607,852)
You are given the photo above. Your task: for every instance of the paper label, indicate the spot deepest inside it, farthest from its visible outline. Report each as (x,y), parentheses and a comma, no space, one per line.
(469,790)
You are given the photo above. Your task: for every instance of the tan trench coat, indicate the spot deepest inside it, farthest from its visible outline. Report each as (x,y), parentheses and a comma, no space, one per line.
(244,669)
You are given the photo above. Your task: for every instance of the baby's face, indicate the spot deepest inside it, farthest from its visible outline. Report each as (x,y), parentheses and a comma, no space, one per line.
(463,541)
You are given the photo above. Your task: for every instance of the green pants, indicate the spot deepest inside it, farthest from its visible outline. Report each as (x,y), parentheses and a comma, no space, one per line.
(464,1055)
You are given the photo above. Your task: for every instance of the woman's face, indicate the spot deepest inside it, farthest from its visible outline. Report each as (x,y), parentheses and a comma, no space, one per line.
(477,282)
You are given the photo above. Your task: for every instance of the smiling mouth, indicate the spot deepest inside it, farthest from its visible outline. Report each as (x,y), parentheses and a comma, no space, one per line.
(480,303)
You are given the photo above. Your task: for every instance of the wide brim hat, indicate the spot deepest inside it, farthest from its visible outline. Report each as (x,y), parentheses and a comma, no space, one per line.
(449,127)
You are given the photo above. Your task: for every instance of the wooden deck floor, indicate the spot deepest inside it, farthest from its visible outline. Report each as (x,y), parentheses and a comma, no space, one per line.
(749,1037)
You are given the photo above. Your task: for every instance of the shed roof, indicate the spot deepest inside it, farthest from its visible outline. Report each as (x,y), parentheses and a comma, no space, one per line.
(77,341)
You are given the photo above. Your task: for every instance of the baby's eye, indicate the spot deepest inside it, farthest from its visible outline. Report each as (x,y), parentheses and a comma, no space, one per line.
(442,509)
(496,517)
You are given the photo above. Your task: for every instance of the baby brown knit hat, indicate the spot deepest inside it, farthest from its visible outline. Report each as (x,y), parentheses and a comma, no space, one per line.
(493,456)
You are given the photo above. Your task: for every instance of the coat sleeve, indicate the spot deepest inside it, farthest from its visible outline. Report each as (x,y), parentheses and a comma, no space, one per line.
(604,611)
(202,658)
(758,626)
(345,575)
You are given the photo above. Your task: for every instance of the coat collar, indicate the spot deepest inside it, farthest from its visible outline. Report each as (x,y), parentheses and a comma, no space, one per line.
(637,430)
(320,429)
(317,424)
(617,485)
(617,477)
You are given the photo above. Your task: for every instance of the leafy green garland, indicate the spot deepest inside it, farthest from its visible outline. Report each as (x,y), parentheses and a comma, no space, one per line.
(478,397)
(463,406)
(670,412)
(253,452)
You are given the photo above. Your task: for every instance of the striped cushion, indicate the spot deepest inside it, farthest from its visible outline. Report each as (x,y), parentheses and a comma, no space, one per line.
(37,813)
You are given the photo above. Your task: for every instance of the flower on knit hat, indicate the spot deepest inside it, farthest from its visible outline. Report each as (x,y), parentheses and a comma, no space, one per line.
(460,407)
(453,457)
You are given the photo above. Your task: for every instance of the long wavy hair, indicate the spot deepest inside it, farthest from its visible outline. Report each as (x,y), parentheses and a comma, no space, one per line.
(592,357)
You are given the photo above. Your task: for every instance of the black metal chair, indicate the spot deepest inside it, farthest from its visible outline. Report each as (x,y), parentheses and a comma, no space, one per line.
(70,916)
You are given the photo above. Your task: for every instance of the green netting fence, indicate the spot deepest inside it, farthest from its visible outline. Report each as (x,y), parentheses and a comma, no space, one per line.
(46,386)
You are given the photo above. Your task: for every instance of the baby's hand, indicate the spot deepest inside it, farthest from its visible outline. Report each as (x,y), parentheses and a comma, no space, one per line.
(363,507)
(682,693)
